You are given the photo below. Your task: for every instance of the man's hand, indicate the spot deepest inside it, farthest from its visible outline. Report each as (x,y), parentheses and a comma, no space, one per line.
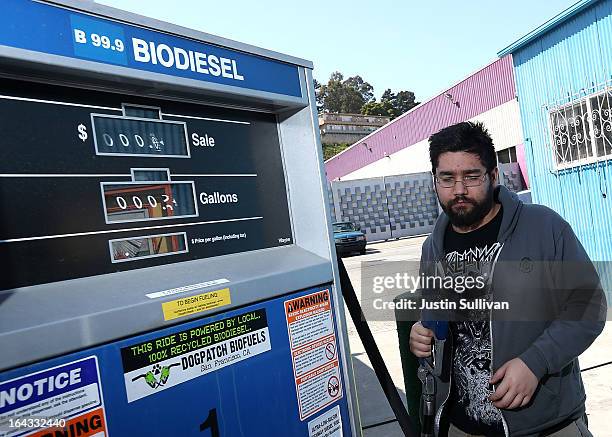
(420,340)
(517,385)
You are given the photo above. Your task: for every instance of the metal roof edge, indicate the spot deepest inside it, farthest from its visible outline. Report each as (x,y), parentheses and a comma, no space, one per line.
(397,119)
(548,25)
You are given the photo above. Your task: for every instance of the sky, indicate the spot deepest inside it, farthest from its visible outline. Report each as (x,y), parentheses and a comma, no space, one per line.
(420,46)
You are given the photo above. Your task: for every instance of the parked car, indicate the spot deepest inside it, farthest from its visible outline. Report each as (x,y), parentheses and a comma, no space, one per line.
(349,238)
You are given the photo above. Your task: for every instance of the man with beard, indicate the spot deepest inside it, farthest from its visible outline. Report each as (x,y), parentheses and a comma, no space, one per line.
(508,376)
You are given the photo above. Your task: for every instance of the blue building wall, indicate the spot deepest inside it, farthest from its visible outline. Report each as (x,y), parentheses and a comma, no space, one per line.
(565,63)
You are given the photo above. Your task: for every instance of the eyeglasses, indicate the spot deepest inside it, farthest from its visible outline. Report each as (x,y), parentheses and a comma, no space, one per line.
(467,181)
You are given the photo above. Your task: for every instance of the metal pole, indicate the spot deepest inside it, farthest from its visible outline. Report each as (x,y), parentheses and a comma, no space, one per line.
(380,369)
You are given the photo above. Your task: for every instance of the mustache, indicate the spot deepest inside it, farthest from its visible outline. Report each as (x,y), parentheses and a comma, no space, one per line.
(461,198)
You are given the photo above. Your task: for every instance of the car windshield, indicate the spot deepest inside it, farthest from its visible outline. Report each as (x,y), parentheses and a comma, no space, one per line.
(344,227)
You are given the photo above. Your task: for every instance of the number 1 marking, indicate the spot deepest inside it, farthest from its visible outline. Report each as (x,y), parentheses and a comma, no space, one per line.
(211,422)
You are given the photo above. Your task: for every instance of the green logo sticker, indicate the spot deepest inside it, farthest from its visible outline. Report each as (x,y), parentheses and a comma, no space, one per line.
(158,376)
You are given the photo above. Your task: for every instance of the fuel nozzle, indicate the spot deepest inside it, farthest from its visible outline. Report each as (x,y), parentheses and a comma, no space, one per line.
(429,368)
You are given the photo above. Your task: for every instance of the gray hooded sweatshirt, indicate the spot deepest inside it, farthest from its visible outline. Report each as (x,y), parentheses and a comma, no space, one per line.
(557,309)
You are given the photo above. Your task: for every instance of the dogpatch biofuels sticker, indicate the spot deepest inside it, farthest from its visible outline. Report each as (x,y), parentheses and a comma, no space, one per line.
(164,362)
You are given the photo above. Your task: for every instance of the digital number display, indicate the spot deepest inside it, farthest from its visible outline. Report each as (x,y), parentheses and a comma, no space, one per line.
(78,159)
(129,249)
(117,135)
(135,201)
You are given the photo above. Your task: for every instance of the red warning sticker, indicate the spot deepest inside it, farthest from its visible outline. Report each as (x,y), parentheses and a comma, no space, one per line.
(314,352)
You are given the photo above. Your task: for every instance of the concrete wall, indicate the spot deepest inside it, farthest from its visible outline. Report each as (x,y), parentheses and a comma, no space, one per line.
(389,207)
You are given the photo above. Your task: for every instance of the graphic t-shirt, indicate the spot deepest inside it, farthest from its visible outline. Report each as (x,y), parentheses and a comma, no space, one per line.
(471,254)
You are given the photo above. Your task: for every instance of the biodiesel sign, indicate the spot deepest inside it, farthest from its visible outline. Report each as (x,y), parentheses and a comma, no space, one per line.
(43,28)
(176,358)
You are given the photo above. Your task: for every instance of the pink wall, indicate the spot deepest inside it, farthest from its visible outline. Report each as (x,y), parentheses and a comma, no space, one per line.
(520,157)
(486,89)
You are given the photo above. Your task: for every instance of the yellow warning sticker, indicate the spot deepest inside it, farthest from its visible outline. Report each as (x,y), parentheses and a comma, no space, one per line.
(196,304)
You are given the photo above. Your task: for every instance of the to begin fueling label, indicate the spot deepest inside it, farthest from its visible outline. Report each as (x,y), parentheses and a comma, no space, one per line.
(196,304)
(170,360)
(312,338)
(65,398)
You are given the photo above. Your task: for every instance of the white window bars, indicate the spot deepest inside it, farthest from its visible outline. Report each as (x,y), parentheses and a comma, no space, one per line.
(580,130)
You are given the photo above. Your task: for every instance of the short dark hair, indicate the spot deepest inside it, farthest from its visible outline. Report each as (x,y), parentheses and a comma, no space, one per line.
(463,137)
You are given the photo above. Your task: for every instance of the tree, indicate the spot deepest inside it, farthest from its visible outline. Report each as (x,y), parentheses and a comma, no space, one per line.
(383,108)
(334,95)
(391,105)
(354,95)
(405,101)
(330,150)
(387,95)
(340,95)
(365,90)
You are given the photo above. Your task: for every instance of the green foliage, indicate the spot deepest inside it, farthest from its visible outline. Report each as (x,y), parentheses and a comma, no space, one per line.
(391,105)
(365,90)
(340,95)
(330,150)
(384,108)
(405,101)
(354,96)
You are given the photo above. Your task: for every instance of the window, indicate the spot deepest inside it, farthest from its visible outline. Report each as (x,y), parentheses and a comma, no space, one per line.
(344,227)
(503,157)
(507,155)
(582,130)
(602,123)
